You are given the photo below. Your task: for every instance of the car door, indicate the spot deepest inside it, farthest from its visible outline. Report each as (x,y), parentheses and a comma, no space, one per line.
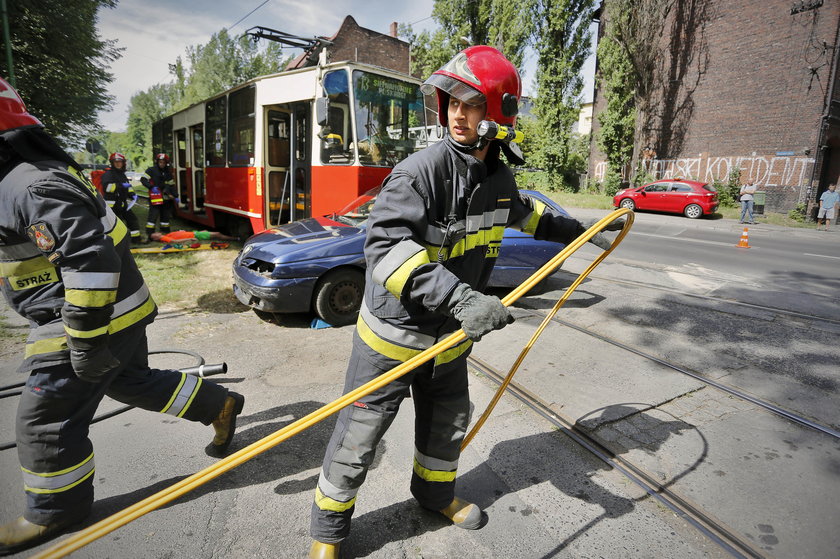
(676,199)
(652,196)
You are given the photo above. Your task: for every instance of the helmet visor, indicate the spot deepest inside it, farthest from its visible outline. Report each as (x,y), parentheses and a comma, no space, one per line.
(454,87)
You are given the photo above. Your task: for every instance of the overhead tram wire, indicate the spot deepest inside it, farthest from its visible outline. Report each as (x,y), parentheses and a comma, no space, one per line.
(248,14)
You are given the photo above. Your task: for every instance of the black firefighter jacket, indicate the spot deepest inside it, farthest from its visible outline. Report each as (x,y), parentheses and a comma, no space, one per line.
(117,190)
(416,256)
(65,263)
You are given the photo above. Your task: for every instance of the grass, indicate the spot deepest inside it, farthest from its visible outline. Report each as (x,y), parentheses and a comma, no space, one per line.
(602,202)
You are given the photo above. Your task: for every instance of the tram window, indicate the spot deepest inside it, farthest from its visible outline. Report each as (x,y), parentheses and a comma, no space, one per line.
(335,136)
(198,148)
(241,127)
(216,118)
(279,138)
(162,137)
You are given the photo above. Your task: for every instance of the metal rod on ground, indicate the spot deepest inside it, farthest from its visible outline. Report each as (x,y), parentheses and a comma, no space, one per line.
(123,517)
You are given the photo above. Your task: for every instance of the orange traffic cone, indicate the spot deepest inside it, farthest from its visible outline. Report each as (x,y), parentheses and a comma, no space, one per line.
(745,239)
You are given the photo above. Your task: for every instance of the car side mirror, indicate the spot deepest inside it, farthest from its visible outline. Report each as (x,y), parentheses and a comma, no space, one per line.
(322,110)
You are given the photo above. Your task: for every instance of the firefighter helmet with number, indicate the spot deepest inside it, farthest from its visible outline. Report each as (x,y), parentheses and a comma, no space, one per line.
(163,156)
(13,112)
(116,156)
(478,75)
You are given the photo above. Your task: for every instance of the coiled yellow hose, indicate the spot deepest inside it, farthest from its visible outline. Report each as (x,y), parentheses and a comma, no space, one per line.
(123,517)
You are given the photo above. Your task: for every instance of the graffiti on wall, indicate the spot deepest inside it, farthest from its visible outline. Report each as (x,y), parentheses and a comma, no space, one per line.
(768,172)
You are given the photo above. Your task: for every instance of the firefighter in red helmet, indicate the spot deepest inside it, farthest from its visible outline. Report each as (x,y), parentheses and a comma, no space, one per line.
(66,267)
(120,195)
(432,240)
(162,199)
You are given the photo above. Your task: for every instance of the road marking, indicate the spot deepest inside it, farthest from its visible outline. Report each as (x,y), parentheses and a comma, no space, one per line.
(821,255)
(701,241)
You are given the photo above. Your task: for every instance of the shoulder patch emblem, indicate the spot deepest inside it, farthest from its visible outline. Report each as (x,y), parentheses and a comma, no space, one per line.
(41,236)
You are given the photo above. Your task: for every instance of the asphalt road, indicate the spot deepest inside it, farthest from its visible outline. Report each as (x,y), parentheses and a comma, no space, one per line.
(668,292)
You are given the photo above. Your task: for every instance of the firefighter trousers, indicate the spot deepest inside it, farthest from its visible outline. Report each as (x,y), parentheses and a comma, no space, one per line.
(55,411)
(442,409)
(130,220)
(164,212)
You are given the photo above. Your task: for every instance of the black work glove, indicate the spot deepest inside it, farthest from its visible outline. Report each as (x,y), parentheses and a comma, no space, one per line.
(599,239)
(92,365)
(478,313)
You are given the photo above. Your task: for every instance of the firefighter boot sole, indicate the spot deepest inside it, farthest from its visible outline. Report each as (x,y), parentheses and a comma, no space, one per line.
(225,425)
(20,534)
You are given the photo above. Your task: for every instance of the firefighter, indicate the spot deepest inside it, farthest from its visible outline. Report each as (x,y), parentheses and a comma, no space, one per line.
(65,265)
(119,194)
(159,180)
(432,239)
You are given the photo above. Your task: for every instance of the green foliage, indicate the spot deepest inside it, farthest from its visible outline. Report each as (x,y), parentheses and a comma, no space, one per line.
(611,183)
(618,120)
(728,191)
(61,64)
(798,213)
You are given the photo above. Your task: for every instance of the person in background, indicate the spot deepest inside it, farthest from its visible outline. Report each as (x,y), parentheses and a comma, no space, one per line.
(829,200)
(159,180)
(66,266)
(120,195)
(433,237)
(747,201)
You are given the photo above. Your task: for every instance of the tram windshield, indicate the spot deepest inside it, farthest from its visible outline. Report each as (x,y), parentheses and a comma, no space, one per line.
(390,121)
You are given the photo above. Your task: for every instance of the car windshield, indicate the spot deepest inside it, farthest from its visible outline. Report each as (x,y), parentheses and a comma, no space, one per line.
(357,212)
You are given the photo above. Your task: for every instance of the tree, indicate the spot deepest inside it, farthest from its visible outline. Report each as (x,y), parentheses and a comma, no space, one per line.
(563,30)
(618,119)
(61,64)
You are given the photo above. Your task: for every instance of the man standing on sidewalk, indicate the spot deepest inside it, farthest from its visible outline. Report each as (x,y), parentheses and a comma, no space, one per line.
(828,206)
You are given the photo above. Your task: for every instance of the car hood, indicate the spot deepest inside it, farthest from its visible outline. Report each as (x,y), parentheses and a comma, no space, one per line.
(303,240)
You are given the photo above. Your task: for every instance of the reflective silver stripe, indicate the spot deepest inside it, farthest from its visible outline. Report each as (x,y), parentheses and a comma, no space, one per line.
(91,280)
(131,302)
(393,334)
(184,397)
(333,492)
(109,221)
(501,216)
(435,463)
(53,329)
(20,251)
(396,257)
(434,234)
(58,481)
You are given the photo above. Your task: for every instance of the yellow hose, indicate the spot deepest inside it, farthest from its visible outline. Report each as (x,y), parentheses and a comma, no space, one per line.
(123,517)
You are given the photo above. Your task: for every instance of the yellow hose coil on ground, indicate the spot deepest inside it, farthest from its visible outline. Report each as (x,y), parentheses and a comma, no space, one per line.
(123,517)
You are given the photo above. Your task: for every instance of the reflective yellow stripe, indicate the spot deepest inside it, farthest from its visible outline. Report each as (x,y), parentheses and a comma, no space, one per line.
(129,318)
(175,393)
(433,475)
(48,345)
(384,347)
(73,333)
(57,482)
(22,267)
(118,232)
(35,279)
(396,282)
(65,488)
(531,226)
(325,503)
(192,397)
(453,353)
(83,298)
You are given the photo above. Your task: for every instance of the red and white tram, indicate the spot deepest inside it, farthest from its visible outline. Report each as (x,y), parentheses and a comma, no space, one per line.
(287,146)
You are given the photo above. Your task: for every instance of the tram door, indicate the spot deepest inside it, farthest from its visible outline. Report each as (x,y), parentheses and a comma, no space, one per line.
(197,141)
(180,166)
(278,165)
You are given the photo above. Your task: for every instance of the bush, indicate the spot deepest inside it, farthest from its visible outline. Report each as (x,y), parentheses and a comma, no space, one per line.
(798,213)
(612,183)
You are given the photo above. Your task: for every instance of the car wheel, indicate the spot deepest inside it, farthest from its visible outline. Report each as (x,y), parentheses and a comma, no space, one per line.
(693,211)
(339,296)
(627,203)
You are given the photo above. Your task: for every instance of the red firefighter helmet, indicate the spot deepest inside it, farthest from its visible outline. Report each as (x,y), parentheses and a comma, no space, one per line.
(116,156)
(477,75)
(12,110)
(163,156)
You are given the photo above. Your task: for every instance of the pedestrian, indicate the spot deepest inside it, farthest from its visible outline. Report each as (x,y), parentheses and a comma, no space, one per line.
(65,265)
(747,201)
(158,179)
(120,195)
(433,237)
(829,201)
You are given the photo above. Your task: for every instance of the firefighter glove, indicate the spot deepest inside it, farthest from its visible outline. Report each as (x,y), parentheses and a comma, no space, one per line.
(478,313)
(599,239)
(92,365)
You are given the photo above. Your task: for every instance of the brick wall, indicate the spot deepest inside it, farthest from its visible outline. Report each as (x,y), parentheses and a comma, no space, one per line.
(749,92)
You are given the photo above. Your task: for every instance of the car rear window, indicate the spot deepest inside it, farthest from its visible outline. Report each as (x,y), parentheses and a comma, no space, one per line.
(709,187)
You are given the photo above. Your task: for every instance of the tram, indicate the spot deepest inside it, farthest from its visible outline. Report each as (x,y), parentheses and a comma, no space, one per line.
(291,145)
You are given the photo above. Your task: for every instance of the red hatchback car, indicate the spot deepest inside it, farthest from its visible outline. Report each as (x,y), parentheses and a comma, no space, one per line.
(693,199)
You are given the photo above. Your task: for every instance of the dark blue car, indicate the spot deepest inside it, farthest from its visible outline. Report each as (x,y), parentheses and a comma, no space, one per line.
(318,263)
